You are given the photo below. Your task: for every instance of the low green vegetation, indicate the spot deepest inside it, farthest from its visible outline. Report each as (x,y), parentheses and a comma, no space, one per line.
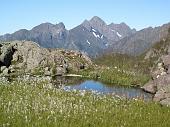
(124,62)
(121,77)
(115,76)
(38,71)
(117,69)
(37,104)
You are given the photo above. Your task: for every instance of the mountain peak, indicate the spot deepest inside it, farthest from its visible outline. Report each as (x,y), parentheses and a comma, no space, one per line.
(61,25)
(43,27)
(98,20)
(86,24)
(123,23)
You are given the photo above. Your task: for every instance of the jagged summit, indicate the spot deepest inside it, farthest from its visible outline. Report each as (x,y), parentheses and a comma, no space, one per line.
(61,25)
(97,20)
(92,37)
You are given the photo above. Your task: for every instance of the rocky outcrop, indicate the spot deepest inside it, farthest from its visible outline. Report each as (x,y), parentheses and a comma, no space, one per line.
(28,57)
(6,55)
(150,87)
(160,83)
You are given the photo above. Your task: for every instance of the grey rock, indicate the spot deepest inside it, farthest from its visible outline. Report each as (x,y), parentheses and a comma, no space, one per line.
(160,95)
(150,87)
(47,71)
(158,72)
(12,68)
(5,72)
(30,57)
(60,71)
(168,69)
(169,50)
(161,74)
(166,60)
(162,81)
(3,68)
(165,102)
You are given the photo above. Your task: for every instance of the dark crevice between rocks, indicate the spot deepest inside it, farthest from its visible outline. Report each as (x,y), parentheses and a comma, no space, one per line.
(7,56)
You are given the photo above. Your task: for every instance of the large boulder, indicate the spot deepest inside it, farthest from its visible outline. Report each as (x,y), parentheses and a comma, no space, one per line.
(160,85)
(60,71)
(160,95)
(166,59)
(162,82)
(165,102)
(28,56)
(150,87)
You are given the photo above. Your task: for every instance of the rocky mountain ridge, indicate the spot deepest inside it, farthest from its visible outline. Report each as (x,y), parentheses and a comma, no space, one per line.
(141,41)
(93,37)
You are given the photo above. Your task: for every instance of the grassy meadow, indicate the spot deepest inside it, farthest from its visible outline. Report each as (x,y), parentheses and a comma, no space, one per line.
(38,104)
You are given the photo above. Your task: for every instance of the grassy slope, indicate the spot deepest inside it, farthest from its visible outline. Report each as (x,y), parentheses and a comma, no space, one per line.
(34,104)
(123,70)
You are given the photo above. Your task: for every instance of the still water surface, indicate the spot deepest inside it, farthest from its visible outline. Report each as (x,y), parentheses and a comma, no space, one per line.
(98,87)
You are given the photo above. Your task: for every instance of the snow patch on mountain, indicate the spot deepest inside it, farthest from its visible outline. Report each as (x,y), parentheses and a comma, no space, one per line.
(118,34)
(94,30)
(106,45)
(88,42)
(113,31)
(97,36)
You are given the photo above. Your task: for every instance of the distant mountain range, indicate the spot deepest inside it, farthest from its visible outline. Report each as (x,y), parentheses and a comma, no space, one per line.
(141,41)
(92,37)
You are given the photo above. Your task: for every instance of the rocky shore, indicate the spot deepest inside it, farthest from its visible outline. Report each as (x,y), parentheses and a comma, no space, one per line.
(160,83)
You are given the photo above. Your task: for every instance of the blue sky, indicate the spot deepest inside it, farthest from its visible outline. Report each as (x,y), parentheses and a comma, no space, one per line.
(17,14)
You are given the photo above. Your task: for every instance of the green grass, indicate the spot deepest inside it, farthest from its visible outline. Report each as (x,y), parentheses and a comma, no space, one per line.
(124,62)
(35,104)
(121,77)
(114,76)
(38,71)
(119,60)
(119,69)
(117,76)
